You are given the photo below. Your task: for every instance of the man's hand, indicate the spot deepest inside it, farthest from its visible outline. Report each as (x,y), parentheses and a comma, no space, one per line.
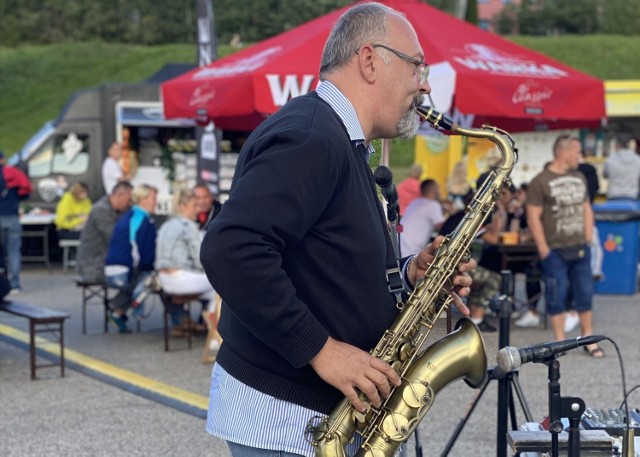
(346,367)
(461,282)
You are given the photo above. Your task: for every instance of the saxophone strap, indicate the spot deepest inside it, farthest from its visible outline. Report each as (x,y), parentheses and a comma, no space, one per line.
(393,271)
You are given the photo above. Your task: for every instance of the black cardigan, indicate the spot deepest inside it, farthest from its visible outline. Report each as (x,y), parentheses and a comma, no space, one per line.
(298,254)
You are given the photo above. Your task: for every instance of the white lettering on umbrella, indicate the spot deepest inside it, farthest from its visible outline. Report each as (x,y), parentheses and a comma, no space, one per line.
(281,93)
(512,68)
(237,67)
(485,58)
(526,94)
(201,96)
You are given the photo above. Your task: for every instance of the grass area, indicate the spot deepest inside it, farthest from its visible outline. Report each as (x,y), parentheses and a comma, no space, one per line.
(602,56)
(36,81)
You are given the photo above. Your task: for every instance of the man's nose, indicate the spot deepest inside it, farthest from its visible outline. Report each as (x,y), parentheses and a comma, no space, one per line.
(425,88)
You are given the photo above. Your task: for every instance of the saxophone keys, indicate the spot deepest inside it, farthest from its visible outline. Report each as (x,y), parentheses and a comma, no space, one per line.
(362,417)
(405,351)
(358,416)
(372,452)
(396,427)
(417,394)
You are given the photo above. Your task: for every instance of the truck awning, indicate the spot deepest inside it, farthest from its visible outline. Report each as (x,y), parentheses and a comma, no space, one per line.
(622,98)
(148,115)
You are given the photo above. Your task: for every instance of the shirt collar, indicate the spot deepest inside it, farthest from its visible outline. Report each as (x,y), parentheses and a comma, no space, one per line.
(345,111)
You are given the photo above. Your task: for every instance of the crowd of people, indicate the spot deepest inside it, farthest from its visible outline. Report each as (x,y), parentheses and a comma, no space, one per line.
(121,246)
(554,213)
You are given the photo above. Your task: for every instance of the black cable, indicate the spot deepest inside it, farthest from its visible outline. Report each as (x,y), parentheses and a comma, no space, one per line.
(624,382)
(629,393)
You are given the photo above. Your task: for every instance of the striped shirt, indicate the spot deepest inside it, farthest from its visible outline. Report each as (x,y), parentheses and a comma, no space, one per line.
(243,415)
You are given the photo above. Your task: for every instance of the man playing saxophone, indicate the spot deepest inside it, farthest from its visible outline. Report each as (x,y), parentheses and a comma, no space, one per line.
(298,251)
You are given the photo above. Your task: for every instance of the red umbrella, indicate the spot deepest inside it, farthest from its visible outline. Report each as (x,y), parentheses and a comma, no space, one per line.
(494,81)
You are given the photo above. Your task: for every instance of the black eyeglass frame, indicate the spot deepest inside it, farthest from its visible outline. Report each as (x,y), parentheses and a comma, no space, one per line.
(421,66)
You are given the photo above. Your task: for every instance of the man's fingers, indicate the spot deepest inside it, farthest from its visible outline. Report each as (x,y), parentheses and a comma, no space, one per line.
(467,266)
(462,280)
(460,304)
(386,370)
(352,370)
(371,391)
(352,396)
(381,383)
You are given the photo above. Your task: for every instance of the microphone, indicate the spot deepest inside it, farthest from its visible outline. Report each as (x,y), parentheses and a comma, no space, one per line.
(384,179)
(509,358)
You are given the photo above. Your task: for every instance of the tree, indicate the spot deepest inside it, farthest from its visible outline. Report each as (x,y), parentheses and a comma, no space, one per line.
(558,17)
(620,17)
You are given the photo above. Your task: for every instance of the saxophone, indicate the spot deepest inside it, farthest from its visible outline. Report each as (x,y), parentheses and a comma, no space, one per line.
(458,355)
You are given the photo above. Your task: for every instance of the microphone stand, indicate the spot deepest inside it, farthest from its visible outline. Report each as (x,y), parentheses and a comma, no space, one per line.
(508,384)
(559,407)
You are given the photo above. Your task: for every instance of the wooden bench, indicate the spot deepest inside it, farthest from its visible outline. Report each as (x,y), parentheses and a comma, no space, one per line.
(169,302)
(40,320)
(93,290)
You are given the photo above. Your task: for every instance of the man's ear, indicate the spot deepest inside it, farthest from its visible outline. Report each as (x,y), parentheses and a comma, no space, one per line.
(367,64)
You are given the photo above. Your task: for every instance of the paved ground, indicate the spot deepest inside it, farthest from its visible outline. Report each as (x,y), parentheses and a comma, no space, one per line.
(79,415)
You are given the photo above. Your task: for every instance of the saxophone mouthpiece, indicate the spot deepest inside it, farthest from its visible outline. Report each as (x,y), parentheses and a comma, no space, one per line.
(436,119)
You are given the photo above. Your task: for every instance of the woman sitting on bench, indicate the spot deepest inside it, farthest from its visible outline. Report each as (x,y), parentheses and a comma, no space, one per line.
(178,262)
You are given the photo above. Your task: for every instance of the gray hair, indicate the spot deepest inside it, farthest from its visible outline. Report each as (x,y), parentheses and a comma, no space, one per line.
(361,24)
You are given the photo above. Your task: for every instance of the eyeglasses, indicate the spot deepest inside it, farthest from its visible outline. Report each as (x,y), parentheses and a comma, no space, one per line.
(422,68)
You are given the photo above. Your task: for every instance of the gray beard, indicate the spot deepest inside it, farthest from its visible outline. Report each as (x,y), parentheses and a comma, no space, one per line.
(408,124)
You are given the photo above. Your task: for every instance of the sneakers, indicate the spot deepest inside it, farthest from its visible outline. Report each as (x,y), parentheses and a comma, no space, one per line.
(15,291)
(120,323)
(484,326)
(571,321)
(527,320)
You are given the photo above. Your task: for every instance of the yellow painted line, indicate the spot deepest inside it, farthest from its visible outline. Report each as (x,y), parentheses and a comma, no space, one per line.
(109,370)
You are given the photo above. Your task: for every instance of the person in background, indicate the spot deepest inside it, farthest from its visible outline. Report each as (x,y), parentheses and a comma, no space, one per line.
(622,168)
(205,202)
(95,237)
(299,252)
(593,186)
(529,316)
(486,283)
(422,219)
(493,159)
(178,261)
(14,187)
(131,254)
(457,187)
(111,170)
(72,212)
(560,221)
(409,188)
(591,176)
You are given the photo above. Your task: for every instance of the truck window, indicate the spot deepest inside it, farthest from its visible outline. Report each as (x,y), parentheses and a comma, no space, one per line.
(64,153)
